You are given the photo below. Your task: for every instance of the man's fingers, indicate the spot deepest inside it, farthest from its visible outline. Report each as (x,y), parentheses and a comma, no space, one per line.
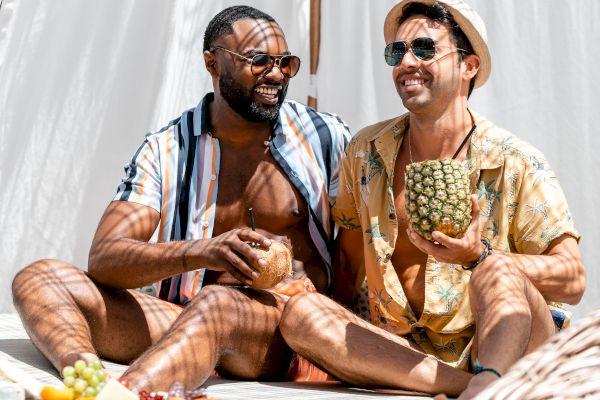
(420,242)
(445,240)
(475,210)
(248,235)
(242,271)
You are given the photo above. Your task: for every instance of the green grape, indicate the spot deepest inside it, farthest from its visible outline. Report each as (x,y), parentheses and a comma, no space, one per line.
(69,381)
(101,375)
(79,366)
(93,380)
(100,386)
(96,364)
(90,391)
(87,373)
(68,371)
(80,385)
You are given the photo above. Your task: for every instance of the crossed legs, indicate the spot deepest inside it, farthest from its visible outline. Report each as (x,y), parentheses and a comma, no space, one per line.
(511,318)
(360,353)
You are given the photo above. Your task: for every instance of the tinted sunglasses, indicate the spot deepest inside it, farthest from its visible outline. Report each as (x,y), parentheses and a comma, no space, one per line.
(259,63)
(423,48)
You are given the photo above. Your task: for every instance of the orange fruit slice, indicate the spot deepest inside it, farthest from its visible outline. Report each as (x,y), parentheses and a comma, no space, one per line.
(54,393)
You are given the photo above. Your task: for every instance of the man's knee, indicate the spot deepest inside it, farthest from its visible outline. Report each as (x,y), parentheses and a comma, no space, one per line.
(298,311)
(45,272)
(498,275)
(222,307)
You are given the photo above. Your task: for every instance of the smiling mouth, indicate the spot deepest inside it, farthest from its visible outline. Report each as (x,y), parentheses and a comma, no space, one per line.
(414,82)
(268,92)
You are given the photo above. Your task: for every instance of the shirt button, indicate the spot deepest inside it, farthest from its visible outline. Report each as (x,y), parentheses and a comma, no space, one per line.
(392,216)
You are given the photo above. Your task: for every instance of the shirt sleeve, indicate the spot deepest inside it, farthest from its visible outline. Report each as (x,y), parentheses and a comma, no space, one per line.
(344,211)
(142,181)
(542,213)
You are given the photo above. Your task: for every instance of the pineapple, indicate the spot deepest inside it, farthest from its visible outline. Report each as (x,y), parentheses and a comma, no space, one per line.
(437,197)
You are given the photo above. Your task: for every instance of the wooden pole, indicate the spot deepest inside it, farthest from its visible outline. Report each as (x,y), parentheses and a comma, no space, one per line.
(315,44)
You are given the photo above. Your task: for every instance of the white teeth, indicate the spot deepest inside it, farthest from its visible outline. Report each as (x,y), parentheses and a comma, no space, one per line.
(267,91)
(411,82)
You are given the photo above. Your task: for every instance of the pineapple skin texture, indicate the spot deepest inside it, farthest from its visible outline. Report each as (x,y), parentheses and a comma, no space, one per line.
(437,197)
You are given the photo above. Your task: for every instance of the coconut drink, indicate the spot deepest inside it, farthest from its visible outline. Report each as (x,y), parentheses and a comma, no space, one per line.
(278,258)
(437,197)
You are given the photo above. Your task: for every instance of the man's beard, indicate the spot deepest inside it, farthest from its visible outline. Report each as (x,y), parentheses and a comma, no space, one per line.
(240,100)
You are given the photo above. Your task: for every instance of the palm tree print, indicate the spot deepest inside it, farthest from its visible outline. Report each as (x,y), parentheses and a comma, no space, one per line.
(447,295)
(374,233)
(347,222)
(491,195)
(541,208)
(375,164)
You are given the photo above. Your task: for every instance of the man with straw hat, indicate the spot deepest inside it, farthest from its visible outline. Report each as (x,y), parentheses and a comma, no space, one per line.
(446,308)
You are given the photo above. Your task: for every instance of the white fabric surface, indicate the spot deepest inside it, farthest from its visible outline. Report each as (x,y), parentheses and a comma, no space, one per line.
(82,81)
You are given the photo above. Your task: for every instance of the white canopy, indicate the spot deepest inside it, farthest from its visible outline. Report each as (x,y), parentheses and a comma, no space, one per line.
(81,82)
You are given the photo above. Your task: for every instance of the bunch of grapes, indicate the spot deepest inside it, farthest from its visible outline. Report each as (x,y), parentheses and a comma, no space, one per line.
(86,380)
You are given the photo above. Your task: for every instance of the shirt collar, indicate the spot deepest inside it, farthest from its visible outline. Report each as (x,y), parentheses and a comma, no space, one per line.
(485,151)
(486,147)
(202,117)
(388,140)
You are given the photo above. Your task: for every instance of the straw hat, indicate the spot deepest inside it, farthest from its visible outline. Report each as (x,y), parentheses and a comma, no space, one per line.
(469,21)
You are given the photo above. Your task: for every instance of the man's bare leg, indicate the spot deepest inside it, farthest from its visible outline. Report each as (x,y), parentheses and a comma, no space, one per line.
(360,353)
(68,317)
(511,316)
(232,329)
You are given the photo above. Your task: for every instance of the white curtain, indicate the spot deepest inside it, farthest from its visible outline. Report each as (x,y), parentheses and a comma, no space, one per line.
(82,81)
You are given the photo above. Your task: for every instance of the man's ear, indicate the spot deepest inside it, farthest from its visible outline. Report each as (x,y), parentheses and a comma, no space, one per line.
(471,66)
(210,62)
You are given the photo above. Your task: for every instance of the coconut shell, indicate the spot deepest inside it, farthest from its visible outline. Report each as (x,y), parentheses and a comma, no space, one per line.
(279,265)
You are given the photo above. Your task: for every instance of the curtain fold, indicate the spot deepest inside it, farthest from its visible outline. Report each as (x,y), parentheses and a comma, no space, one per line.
(82,82)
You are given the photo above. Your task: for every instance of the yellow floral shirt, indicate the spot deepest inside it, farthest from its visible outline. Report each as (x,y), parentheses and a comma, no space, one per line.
(522,206)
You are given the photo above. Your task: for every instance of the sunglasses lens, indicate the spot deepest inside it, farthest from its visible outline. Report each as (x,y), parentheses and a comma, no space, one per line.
(261,60)
(290,65)
(394,53)
(424,48)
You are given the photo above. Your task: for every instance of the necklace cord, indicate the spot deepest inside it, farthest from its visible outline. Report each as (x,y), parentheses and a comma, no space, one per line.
(464,141)
(457,150)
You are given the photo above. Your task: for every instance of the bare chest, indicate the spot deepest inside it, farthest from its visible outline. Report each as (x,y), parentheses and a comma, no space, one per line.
(256,182)
(409,262)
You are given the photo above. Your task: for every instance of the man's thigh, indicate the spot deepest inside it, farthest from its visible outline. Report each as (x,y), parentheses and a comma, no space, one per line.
(123,323)
(254,348)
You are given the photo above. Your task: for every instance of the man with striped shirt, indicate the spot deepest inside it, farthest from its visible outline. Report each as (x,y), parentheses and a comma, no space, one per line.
(192,182)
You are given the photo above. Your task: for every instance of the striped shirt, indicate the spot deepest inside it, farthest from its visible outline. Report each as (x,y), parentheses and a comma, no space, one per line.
(176,172)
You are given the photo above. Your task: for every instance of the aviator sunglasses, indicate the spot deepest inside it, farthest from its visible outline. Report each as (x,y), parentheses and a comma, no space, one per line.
(259,63)
(423,48)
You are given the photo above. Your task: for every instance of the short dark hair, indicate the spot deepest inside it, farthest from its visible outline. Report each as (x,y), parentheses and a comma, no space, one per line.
(437,12)
(222,23)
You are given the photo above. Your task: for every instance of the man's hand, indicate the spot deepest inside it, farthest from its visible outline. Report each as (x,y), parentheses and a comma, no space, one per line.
(449,250)
(232,252)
